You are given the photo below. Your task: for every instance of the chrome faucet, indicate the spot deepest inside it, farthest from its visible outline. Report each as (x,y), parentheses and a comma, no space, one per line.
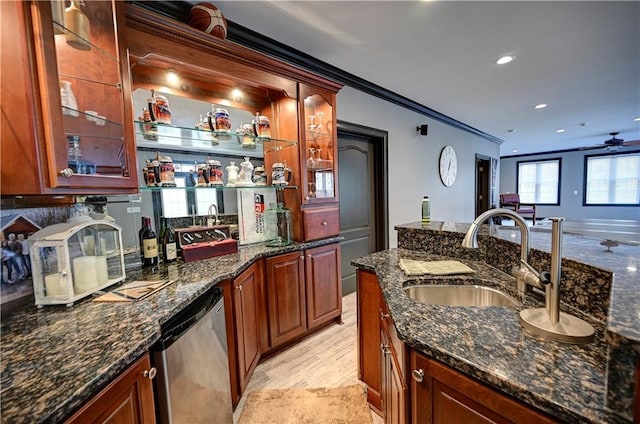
(524,273)
(572,329)
(215,220)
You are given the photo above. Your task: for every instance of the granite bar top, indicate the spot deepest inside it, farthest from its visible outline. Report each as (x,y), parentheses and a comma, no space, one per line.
(567,381)
(55,358)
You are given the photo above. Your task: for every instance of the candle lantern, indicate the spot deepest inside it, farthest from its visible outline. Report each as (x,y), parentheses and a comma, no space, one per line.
(74,259)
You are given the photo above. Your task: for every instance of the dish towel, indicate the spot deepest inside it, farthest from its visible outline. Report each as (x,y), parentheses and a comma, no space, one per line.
(412,267)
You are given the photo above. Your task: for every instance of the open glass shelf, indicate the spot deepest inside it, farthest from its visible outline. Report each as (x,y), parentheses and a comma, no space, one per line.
(194,139)
(275,187)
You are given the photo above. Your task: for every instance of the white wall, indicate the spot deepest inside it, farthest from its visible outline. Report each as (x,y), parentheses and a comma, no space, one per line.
(413,159)
(571,179)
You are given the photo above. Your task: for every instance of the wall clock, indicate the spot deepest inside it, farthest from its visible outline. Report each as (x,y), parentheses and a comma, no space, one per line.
(448,166)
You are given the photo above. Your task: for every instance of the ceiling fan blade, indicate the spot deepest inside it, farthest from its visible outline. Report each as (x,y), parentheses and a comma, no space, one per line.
(631,143)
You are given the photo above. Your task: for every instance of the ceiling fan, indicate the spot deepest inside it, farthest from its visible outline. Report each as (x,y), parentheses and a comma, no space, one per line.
(614,144)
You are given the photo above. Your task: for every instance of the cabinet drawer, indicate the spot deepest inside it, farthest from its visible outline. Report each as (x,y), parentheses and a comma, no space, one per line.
(321,223)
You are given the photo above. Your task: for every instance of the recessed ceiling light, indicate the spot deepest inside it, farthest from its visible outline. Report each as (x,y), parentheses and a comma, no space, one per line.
(514,151)
(561,130)
(172,76)
(636,119)
(540,106)
(504,60)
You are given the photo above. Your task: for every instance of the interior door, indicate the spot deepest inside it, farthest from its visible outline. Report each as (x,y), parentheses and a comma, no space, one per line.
(357,203)
(483,194)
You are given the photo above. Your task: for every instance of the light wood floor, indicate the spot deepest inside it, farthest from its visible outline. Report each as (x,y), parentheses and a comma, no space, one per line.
(326,359)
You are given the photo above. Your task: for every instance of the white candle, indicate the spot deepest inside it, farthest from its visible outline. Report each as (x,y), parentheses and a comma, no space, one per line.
(53,285)
(101,269)
(85,276)
(89,245)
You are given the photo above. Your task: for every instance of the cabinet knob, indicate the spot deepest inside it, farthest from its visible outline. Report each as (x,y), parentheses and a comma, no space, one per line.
(306,197)
(66,172)
(324,223)
(384,348)
(383,316)
(418,375)
(150,374)
(308,255)
(302,257)
(239,288)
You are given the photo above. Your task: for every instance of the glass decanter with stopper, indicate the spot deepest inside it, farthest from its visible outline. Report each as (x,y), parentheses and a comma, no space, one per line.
(278,228)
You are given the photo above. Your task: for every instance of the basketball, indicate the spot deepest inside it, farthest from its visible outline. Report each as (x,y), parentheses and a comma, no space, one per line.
(208,18)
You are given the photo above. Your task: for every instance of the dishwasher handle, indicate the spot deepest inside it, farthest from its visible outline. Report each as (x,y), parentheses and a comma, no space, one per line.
(178,325)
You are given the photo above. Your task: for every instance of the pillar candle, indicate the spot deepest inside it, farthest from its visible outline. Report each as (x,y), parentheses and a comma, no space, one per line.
(53,285)
(101,269)
(85,276)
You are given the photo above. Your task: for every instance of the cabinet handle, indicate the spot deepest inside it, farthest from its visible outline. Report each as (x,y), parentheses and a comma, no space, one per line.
(309,255)
(418,375)
(306,197)
(239,288)
(150,374)
(383,316)
(67,172)
(324,223)
(302,257)
(384,348)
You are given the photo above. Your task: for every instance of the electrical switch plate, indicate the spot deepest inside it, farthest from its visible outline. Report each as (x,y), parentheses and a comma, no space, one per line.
(133,209)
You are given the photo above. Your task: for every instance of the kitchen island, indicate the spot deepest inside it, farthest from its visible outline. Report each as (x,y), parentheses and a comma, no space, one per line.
(573,383)
(55,358)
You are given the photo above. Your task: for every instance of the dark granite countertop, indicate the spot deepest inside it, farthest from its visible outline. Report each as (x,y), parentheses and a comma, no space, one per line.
(567,381)
(55,358)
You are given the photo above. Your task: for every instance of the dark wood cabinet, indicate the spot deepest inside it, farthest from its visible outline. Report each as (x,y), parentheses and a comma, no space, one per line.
(393,390)
(286,299)
(441,395)
(323,285)
(246,307)
(369,298)
(128,399)
(84,146)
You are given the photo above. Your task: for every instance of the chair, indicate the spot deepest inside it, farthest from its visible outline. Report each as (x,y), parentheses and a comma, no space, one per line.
(512,201)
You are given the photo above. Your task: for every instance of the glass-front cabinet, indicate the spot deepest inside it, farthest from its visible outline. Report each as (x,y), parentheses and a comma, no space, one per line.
(319,147)
(80,78)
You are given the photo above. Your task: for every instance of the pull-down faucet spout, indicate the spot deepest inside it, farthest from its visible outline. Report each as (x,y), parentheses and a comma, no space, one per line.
(548,321)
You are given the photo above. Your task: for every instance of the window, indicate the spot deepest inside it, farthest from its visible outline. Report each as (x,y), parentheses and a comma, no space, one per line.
(612,179)
(539,181)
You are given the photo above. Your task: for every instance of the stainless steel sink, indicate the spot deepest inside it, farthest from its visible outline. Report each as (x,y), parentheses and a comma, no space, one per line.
(457,295)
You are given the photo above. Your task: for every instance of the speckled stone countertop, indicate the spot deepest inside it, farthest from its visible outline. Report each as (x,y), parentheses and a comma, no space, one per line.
(54,359)
(564,380)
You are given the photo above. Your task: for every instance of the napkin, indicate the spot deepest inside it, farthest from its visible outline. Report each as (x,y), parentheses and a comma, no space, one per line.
(413,267)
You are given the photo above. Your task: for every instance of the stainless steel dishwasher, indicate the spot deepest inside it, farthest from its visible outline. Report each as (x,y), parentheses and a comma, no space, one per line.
(191,357)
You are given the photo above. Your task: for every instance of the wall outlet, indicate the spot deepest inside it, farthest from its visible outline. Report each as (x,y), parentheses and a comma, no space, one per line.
(133,209)
(575,192)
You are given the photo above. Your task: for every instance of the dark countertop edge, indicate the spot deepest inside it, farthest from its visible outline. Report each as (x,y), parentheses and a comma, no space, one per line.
(503,385)
(92,386)
(619,331)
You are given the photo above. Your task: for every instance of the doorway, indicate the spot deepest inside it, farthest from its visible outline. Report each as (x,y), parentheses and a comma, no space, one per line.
(483,184)
(364,223)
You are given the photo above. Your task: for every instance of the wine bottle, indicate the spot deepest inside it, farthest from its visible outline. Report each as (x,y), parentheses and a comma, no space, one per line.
(149,245)
(169,246)
(140,237)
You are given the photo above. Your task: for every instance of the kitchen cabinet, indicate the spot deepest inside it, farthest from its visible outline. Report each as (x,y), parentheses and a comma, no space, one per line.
(323,285)
(286,298)
(304,292)
(128,399)
(441,395)
(246,317)
(393,387)
(69,122)
(231,76)
(369,298)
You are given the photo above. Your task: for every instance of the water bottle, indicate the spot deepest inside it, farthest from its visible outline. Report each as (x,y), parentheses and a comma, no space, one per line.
(426,210)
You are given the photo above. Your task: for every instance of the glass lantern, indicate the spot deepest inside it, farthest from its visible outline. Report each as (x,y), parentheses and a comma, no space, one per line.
(72,260)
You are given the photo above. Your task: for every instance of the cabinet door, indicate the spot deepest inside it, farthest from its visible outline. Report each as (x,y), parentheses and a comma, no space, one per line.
(246,289)
(128,399)
(83,120)
(441,395)
(286,297)
(323,285)
(393,388)
(319,150)
(369,363)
